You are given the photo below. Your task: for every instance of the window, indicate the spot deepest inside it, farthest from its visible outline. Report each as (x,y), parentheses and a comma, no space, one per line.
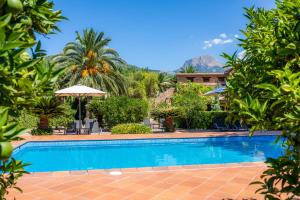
(221,79)
(191,79)
(206,79)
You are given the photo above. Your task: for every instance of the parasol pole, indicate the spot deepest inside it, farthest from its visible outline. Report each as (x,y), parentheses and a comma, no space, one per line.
(79,112)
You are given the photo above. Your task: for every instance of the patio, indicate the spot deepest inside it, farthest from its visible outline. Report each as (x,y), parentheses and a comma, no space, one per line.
(217,182)
(227,181)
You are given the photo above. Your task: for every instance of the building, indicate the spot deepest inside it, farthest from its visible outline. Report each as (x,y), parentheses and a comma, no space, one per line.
(208,79)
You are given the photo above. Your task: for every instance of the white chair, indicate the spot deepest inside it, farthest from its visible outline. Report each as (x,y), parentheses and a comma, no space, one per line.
(88,122)
(96,128)
(147,122)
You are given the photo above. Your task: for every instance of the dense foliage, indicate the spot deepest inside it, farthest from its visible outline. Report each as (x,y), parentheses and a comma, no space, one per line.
(130,128)
(119,110)
(264,89)
(141,83)
(187,108)
(10,169)
(145,83)
(188,69)
(92,63)
(40,131)
(27,119)
(190,102)
(65,119)
(47,107)
(203,120)
(23,76)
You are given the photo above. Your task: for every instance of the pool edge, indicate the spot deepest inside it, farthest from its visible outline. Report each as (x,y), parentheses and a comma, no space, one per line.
(152,169)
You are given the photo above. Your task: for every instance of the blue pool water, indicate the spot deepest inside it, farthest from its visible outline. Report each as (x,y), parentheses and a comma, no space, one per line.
(84,155)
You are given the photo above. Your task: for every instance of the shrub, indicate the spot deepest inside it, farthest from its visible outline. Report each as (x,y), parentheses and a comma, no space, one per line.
(190,103)
(191,87)
(166,112)
(27,120)
(132,128)
(38,131)
(47,107)
(64,119)
(119,110)
(202,119)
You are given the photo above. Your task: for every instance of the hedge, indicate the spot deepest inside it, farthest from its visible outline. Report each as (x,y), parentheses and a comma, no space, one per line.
(202,120)
(38,131)
(131,128)
(119,110)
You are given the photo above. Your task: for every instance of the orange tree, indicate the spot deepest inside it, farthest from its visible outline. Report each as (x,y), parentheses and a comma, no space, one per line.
(23,76)
(264,89)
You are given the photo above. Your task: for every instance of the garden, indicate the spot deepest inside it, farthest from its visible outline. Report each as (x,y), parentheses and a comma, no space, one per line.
(263,90)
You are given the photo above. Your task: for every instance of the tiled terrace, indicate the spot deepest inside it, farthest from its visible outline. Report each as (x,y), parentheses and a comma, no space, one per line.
(230,181)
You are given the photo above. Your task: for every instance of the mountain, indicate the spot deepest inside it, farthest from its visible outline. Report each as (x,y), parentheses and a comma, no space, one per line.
(205,64)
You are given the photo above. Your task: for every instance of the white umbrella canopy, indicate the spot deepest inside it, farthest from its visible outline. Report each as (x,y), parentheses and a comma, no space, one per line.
(79,91)
(216,91)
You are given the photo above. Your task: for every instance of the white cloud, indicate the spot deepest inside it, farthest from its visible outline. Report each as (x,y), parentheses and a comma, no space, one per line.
(223,35)
(221,40)
(236,36)
(217,41)
(227,41)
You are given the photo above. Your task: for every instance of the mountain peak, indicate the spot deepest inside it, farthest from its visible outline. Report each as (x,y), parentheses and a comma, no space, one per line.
(205,63)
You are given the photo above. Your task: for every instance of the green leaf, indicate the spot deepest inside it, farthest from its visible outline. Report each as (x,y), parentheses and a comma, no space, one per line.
(3,116)
(4,20)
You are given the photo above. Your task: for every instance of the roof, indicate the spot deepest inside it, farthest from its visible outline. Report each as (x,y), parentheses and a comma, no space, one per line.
(200,74)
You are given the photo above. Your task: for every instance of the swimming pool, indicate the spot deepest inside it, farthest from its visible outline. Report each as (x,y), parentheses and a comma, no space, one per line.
(108,154)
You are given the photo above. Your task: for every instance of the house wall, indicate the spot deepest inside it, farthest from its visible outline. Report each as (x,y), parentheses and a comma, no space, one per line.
(214,78)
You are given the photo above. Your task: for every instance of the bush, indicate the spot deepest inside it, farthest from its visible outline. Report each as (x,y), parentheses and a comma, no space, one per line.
(38,131)
(65,119)
(132,128)
(166,112)
(191,87)
(202,119)
(27,120)
(191,103)
(119,110)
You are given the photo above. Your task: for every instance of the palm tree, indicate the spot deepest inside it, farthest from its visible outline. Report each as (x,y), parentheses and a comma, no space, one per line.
(188,69)
(47,107)
(165,81)
(92,63)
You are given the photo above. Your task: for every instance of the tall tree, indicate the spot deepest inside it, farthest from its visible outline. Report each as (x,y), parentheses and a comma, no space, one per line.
(91,62)
(165,81)
(264,89)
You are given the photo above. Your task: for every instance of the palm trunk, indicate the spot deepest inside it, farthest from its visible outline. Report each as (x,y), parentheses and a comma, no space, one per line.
(44,122)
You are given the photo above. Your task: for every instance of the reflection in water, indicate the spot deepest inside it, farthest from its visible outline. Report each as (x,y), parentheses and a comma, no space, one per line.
(166,160)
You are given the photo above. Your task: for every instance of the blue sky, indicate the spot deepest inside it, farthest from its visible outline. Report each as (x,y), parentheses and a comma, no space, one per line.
(159,34)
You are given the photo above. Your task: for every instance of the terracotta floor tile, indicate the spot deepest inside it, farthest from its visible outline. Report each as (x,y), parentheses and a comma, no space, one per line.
(232,188)
(151,190)
(203,190)
(110,197)
(91,194)
(193,182)
(139,196)
(190,197)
